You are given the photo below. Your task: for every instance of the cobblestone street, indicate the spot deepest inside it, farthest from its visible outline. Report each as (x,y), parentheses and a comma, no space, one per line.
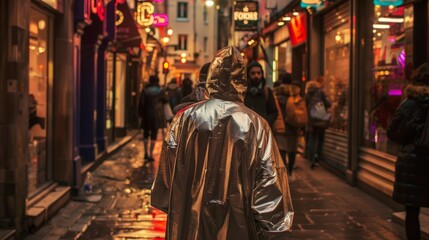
(325,206)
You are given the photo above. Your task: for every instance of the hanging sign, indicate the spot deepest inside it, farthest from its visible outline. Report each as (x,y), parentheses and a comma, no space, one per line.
(388,2)
(127,33)
(311,3)
(298,29)
(246,16)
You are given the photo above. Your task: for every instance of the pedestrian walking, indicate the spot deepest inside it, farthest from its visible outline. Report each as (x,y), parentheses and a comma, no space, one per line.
(220,176)
(288,140)
(408,126)
(186,87)
(259,96)
(317,105)
(151,114)
(199,93)
(173,92)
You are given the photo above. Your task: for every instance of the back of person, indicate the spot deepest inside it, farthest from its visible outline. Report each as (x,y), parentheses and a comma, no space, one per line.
(150,104)
(296,111)
(315,96)
(174,93)
(407,128)
(186,87)
(220,176)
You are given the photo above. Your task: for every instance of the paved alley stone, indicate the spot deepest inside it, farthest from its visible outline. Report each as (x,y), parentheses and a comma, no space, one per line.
(325,206)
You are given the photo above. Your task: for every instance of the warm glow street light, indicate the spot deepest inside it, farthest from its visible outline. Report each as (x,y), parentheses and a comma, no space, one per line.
(165,39)
(169,31)
(209,3)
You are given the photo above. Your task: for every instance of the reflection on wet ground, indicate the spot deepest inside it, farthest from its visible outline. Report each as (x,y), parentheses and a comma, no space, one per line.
(325,206)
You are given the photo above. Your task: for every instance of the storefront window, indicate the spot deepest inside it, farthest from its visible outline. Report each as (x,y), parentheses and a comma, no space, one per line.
(284,56)
(109,91)
(388,76)
(39,43)
(336,73)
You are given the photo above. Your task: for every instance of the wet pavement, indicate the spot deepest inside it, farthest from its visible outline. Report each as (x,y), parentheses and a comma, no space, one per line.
(119,205)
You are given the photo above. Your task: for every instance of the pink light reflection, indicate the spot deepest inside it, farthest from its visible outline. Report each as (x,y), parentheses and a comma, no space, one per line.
(395,92)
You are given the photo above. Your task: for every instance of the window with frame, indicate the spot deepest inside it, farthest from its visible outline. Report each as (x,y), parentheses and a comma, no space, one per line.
(182,10)
(182,42)
(389,77)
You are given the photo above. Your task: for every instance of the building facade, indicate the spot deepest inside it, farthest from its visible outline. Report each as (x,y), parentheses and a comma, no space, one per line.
(366,53)
(193,42)
(70,74)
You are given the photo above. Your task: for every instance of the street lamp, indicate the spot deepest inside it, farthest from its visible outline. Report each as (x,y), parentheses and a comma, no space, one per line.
(209,3)
(169,31)
(165,40)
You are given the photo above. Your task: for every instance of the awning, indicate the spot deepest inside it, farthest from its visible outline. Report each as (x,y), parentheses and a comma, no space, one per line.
(127,33)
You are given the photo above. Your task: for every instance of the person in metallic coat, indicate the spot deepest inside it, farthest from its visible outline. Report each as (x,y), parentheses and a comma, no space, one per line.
(220,173)
(411,186)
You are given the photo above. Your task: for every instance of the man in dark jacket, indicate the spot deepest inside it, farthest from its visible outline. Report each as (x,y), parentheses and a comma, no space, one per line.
(151,114)
(259,97)
(220,176)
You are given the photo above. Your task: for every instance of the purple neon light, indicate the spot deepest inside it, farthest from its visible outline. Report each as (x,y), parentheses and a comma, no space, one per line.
(401,58)
(395,92)
(160,20)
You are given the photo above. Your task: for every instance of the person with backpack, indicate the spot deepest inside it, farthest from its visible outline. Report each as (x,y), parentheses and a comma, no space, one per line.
(259,97)
(409,127)
(293,111)
(318,118)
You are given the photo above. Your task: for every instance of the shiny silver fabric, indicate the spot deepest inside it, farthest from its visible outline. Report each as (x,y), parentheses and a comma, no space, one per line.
(220,174)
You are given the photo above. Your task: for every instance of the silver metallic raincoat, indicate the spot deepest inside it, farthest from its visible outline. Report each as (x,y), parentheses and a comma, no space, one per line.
(221,175)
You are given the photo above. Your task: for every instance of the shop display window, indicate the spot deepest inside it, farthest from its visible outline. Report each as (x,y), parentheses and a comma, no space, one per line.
(38,97)
(283,55)
(336,73)
(388,78)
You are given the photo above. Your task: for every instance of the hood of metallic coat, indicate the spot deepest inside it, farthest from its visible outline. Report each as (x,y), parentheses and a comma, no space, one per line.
(227,75)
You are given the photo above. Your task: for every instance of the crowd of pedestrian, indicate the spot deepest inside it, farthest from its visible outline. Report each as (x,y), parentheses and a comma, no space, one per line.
(233,136)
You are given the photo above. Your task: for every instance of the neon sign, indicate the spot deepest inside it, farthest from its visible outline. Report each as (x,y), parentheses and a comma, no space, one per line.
(311,3)
(144,13)
(388,2)
(160,20)
(97,7)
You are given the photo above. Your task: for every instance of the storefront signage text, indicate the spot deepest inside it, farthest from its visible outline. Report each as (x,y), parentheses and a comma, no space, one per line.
(246,16)
(388,2)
